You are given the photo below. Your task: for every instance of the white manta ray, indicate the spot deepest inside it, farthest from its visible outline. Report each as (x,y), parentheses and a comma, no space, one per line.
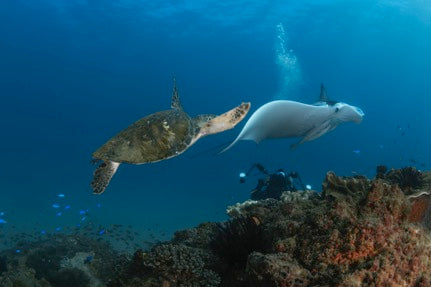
(284,119)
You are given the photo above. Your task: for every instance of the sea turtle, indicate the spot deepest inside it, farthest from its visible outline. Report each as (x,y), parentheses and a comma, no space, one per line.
(159,136)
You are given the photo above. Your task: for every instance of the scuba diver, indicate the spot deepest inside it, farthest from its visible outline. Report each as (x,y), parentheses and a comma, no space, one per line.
(274,184)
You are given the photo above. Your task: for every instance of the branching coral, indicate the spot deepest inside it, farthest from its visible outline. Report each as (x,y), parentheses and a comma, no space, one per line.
(234,242)
(408,178)
(236,239)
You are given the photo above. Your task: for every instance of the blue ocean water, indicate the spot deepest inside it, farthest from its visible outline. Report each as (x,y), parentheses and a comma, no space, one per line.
(74,73)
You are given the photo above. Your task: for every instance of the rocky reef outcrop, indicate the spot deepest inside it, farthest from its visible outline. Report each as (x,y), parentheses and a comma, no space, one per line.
(356,232)
(60,260)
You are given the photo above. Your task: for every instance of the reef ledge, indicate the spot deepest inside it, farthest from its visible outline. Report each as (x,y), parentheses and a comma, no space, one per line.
(356,232)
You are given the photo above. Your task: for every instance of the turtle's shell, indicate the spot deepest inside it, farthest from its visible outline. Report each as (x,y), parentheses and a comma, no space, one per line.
(155,137)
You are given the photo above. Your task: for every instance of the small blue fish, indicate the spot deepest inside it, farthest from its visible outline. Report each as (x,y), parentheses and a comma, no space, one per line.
(82,212)
(101,232)
(67,207)
(55,205)
(2,221)
(2,213)
(83,218)
(59,213)
(61,195)
(99,205)
(88,259)
(43,232)
(18,251)
(58,229)
(356,151)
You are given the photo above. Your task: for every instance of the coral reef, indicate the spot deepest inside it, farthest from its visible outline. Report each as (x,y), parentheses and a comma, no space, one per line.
(181,265)
(61,261)
(407,178)
(416,185)
(183,262)
(169,265)
(233,242)
(356,232)
(267,270)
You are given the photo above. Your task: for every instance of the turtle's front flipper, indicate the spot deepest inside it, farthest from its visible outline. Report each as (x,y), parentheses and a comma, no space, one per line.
(102,176)
(225,121)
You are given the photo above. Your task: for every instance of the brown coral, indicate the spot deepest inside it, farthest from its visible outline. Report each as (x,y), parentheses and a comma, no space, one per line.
(276,270)
(357,232)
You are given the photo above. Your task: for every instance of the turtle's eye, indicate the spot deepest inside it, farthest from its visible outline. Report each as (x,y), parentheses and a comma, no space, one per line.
(337,109)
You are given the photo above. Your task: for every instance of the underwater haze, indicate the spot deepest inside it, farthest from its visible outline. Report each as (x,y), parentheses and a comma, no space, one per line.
(75,73)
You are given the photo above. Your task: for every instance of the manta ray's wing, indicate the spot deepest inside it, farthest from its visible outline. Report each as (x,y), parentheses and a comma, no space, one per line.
(278,119)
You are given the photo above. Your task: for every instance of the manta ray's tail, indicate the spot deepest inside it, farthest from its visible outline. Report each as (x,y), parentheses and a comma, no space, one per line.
(245,135)
(102,176)
(229,146)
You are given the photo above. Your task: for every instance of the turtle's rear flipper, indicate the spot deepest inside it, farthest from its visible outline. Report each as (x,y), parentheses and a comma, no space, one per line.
(102,176)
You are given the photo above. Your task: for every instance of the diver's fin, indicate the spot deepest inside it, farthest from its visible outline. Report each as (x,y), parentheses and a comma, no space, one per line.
(102,176)
(175,103)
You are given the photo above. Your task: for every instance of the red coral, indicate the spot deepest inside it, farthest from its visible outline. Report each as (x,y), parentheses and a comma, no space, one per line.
(419,207)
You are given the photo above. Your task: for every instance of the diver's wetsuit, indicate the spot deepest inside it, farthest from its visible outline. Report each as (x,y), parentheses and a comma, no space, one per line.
(272,187)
